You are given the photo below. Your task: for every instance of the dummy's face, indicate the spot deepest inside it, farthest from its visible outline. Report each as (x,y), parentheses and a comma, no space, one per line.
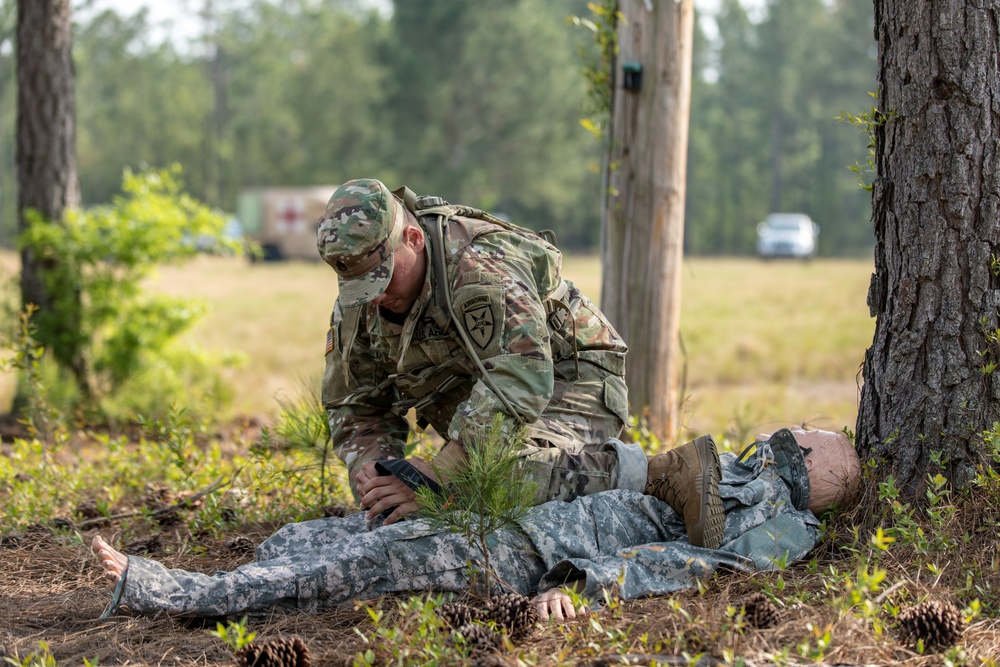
(409,266)
(833,465)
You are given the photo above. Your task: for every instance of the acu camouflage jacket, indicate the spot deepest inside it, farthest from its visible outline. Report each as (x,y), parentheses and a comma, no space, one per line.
(637,545)
(529,327)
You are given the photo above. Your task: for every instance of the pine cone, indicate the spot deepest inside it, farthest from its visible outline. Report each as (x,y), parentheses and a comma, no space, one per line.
(88,509)
(143,545)
(513,613)
(62,523)
(759,611)
(938,623)
(241,545)
(285,652)
(479,638)
(338,511)
(458,614)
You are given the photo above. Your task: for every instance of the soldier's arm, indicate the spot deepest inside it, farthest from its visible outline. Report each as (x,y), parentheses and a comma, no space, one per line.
(362,425)
(496,300)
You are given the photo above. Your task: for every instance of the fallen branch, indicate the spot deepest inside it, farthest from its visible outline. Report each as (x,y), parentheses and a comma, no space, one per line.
(889,591)
(180,504)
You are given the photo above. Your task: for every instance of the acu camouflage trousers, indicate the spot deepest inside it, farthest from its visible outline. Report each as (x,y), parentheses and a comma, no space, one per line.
(320,563)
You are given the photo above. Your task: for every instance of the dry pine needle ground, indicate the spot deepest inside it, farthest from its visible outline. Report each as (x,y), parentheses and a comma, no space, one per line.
(52,591)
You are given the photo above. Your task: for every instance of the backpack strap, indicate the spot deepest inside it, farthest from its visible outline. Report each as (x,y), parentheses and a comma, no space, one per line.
(433,213)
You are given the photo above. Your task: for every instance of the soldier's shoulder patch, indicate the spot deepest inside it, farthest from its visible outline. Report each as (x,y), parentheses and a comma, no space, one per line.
(480,309)
(329,341)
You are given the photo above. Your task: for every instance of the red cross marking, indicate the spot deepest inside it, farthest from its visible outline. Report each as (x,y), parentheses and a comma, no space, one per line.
(290,213)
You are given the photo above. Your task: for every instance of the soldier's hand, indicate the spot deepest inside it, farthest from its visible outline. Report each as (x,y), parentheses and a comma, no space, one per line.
(365,475)
(381,492)
(556,603)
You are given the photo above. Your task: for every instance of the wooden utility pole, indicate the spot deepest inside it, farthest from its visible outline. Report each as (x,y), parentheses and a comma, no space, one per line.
(644,214)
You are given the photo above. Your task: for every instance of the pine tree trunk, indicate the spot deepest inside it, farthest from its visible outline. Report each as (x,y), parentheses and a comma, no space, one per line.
(644,214)
(46,164)
(929,383)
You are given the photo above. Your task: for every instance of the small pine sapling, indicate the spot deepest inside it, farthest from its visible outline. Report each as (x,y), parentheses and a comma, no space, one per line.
(302,424)
(485,494)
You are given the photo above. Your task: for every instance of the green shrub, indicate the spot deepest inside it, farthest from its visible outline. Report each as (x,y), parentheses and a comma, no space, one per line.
(302,425)
(117,343)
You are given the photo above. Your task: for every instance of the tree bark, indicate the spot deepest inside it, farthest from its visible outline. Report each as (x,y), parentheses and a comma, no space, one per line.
(644,214)
(46,163)
(929,383)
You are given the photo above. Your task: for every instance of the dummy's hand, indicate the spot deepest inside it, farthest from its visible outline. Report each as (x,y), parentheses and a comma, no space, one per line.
(556,603)
(380,492)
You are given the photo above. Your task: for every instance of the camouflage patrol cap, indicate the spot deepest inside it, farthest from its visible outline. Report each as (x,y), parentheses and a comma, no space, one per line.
(356,236)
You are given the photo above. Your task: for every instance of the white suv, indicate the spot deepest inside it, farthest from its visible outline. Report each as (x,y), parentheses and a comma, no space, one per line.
(787,235)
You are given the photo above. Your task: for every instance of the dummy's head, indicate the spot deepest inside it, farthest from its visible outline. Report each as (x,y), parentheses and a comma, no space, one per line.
(834,468)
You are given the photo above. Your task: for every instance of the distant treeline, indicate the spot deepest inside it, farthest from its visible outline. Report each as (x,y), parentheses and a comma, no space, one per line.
(479,102)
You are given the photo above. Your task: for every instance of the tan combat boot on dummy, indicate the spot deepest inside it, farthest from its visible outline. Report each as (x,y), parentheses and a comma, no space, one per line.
(687,478)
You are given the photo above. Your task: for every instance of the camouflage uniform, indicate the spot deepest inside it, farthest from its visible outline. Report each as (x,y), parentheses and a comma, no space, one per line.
(558,362)
(615,539)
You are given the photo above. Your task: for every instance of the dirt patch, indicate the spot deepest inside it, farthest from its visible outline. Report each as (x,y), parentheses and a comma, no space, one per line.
(52,591)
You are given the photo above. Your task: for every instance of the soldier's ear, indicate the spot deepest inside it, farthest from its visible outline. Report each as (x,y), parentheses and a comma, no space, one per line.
(414,237)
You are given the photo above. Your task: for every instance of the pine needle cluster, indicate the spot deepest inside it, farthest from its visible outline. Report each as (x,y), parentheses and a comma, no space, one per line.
(303,425)
(491,491)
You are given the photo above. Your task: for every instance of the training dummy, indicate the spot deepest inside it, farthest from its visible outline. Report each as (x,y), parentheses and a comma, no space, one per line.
(618,539)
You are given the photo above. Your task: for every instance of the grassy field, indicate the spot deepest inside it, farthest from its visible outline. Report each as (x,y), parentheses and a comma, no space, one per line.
(767,343)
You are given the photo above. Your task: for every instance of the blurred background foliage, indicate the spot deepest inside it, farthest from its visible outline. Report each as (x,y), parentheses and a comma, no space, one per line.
(478,102)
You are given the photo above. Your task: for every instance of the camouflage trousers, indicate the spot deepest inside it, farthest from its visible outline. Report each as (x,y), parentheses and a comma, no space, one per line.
(574,449)
(320,563)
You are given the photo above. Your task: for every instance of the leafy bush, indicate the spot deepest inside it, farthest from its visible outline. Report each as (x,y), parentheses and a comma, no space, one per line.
(117,343)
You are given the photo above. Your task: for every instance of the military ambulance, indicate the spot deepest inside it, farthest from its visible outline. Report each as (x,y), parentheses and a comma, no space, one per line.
(282,221)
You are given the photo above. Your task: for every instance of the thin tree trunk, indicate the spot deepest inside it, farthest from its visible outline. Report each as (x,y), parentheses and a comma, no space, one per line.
(7,194)
(929,379)
(46,165)
(777,153)
(644,216)
(216,188)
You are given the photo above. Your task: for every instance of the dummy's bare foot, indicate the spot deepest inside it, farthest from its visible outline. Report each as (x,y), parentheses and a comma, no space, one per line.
(114,562)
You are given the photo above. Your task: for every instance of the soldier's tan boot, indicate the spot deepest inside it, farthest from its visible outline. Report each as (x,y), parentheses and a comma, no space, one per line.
(687,479)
